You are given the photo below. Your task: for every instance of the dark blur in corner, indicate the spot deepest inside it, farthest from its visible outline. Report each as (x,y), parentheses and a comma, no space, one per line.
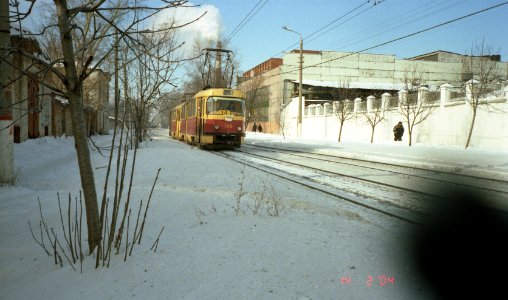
(463,249)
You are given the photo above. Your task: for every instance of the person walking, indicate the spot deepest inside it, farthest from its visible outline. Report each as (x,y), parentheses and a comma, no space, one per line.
(260,129)
(254,127)
(398,131)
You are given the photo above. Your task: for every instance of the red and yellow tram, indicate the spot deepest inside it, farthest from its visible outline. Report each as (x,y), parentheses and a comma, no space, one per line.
(213,118)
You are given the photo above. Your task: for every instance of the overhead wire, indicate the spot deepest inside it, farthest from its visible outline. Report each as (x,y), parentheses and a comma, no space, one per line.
(243,20)
(347,20)
(246,19)
(397,39)
(325,26)
(404,19)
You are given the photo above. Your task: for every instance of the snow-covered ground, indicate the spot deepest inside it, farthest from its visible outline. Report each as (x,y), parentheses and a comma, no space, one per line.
(316,248)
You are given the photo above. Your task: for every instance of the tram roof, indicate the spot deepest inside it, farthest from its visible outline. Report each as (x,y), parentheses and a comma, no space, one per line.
(221,92)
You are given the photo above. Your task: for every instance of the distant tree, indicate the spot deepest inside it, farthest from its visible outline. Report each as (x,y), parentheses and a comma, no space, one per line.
(151,67)
(414,109)
(483,72)
(342,108)
(373,115)
(166,103)
(201,69)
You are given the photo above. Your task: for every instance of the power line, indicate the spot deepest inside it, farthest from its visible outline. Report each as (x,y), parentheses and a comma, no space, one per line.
(246,19)
(241,22)
(323,27)
(399,38)
(404,19)
(345,21)
(375,2)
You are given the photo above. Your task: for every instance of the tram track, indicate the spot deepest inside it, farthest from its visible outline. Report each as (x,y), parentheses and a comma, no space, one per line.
(407,204)
(460,180)
(383,207)
(494,192)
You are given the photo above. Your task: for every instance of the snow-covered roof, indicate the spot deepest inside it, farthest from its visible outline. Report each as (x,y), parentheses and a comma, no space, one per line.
(26,35)
(61,99)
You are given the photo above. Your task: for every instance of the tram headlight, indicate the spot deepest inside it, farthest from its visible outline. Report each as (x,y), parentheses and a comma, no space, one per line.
(216,127)
(239,128)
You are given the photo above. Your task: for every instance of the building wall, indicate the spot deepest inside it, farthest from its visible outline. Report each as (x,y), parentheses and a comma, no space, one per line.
(272,80)
(365,69)
(45,115)
(371,68)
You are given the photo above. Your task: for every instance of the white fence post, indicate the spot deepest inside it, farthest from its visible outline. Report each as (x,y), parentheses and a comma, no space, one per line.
(422,94)
(370,103)
(469,86)
(312,110)
(326,108)
(446,94)
(402,97)
(358,102)
(385,101)
(319,110)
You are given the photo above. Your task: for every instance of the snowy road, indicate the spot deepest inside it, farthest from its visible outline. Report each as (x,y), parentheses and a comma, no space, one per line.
(314,247)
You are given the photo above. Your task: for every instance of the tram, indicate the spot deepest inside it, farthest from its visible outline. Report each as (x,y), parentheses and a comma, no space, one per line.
(213,118)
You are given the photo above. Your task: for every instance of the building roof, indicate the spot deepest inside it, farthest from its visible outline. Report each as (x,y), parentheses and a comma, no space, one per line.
(421,56)
(355,85)
(265,66)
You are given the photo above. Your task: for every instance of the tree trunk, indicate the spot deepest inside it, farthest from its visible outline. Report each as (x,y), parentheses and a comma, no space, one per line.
(340,130)
(74,93)
(471,128)
(372,136)
(409,134)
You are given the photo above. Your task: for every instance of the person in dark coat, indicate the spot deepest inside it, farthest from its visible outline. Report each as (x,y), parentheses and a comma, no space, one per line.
(254,127)
(260,129)
(398,131)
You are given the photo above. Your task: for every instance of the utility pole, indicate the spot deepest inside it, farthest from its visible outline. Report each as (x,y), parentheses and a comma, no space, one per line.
(300,81)
(6,137)
(299,121)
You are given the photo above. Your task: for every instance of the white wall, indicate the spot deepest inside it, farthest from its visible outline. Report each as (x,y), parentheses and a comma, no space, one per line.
(447,125)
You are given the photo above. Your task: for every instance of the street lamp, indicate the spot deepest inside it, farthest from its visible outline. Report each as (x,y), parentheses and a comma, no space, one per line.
(299,118)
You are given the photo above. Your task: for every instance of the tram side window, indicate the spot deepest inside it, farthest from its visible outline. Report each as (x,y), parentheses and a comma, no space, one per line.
(211,105)
(192,108)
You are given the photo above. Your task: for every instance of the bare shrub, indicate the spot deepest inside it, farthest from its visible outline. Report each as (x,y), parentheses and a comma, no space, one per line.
(240,193)
(199,214)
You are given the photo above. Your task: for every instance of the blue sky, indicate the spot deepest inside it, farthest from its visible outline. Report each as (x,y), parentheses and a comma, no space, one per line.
(262,37)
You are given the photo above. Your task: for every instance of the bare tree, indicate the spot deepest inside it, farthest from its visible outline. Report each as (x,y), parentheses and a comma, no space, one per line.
(85,31)
(415,104)
(483,72)
(165,103)
(152,67)
(280,117)
(373,115)
(253,89)
(342,107)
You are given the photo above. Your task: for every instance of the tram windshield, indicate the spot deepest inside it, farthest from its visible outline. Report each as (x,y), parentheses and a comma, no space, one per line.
(224,106)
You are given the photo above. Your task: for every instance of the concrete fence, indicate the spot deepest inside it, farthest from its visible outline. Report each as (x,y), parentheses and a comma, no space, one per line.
(448,123)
